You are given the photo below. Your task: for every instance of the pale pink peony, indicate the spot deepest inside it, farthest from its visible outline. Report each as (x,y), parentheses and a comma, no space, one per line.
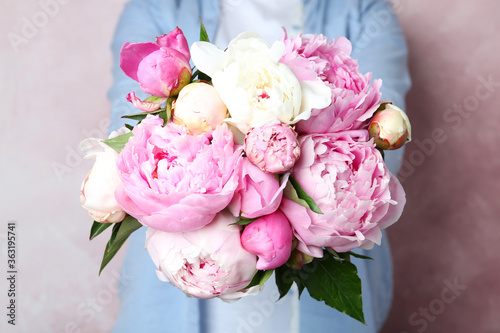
(173,181)
(270,238)
(273,147)
(352,187)
(97,191)
(259,193)
(161,68)
(199,108)
(354,99)
(205,263)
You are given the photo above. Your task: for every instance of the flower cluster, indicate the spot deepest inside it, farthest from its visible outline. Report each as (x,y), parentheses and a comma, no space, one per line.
(264,157)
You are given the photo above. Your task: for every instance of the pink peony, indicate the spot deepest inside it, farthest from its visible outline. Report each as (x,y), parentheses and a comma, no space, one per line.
(258,194)
(269,237)
(273,147)
(161,68)
(173,181)
(352,187)
(205,263)
(354,99)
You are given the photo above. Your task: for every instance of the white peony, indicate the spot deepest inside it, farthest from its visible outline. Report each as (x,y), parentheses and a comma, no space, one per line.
(254,85)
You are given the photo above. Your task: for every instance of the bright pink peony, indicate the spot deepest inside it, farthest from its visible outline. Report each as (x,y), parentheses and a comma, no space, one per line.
(273,147)
(352,187)
(173,181)
(259,193)
(161,68)
(269,237)
(205,263)
(354,99)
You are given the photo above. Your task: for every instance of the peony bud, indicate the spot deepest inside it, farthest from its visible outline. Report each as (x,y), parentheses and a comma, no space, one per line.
(273,147)
(199,108)
(390,127)
(270,238)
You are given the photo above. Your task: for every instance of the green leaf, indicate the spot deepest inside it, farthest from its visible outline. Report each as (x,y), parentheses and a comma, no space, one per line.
(119,142)
(294,192)
(130,127)
(202,77)
(166,113)
(153,99)
(141,115)
(243,221)
(97,228)
(267,274)
(284,279)
(335,282)
(114,232)
(339,256)
(259,278)
(359,256)
(203,32)
(121,232)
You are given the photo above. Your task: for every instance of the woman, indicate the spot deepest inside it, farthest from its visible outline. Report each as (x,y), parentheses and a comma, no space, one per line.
(149,305)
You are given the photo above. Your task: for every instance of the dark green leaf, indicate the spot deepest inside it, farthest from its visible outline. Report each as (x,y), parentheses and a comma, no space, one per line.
(116,227)
(298,195)
(127,227)
(284,279)
(121,232)
(109,253)
(130,127)
(97,228)
(119,142)
(359,256)
(204,77)
(203,32)
(336,283)
(142,115)
(136,116)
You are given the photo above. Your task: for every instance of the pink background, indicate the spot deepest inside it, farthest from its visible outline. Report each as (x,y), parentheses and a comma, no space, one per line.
(53,93)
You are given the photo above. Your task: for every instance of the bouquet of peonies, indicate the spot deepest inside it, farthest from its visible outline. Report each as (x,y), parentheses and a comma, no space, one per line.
(265,159)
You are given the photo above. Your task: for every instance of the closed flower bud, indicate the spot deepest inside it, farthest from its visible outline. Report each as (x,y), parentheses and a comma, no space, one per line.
(199,108)
(390,127)
(270,238)
(273,147)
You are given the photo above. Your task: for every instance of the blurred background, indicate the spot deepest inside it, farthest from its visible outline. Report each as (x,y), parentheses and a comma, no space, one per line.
(55,65)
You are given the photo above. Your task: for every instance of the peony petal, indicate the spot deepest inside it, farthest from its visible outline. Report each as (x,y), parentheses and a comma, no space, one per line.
(207,57)
(143,105)
(131,55)
(175,40)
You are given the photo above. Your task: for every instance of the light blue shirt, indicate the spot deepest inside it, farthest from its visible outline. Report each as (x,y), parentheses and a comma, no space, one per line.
(149,305)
